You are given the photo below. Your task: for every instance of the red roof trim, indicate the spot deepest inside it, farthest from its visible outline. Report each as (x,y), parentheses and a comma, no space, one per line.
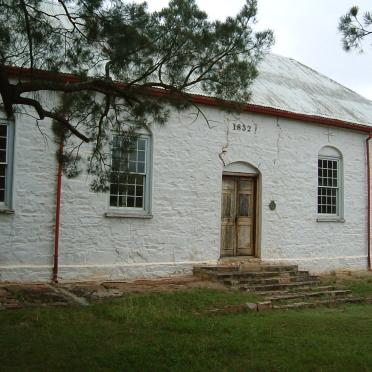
(249,107)
(204,100)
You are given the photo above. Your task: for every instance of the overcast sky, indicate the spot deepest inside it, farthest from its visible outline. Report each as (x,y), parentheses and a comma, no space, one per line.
(306,30)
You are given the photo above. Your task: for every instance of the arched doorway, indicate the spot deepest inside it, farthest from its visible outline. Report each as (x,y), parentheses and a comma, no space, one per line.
(239,210)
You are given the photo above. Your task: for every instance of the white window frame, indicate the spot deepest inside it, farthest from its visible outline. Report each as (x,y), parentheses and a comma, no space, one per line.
(7,205)
(145,211)
(339,215)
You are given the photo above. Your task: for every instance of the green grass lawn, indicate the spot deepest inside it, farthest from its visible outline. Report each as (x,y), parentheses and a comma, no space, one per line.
(169,332)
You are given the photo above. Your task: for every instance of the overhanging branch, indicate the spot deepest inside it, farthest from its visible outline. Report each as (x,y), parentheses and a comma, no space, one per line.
(28,31)
(49,114)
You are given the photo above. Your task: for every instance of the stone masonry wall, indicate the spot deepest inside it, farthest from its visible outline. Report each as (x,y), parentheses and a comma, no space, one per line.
(186,198)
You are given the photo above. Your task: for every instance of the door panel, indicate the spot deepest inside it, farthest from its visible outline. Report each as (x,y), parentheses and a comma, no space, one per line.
(238,216)
(228,230)
(245,217)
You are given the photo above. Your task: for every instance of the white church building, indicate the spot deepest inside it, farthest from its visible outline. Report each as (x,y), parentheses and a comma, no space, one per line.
(285,181)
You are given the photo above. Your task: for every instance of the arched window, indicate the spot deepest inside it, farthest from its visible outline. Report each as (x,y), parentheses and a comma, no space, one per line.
(330,182)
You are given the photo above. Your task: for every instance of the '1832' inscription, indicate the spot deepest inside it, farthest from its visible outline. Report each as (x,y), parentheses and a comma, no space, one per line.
(242,127)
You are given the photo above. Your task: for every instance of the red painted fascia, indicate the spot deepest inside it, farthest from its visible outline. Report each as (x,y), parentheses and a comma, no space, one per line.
(24,73)
(21,72)
(258,109)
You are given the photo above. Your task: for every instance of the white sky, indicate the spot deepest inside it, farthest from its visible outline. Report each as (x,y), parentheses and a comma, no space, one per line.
(306,30)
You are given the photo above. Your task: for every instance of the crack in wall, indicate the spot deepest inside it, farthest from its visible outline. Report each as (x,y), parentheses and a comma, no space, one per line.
(226,146)
(280,132)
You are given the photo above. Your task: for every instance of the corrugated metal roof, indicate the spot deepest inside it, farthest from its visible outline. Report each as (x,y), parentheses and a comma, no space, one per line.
(287,84)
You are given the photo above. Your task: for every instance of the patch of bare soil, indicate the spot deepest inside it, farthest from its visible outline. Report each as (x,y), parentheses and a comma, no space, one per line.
(109,289)
(15,296)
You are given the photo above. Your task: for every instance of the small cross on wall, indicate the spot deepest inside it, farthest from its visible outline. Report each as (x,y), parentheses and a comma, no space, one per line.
(329,134)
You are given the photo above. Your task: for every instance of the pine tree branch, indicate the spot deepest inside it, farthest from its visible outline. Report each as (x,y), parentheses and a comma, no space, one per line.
(49,114)
(28,31)
(6,91)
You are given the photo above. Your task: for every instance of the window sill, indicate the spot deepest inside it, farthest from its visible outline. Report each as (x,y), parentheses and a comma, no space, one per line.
(4,210)
(330,219)
(119,214)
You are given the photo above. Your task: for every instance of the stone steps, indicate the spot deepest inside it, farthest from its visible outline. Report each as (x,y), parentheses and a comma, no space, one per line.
(270,268)
(263,274)
(305,284)
(249,282)
(314,304)
(243,275)
(220,268)
(337,293)
(284,292)
(281,286)
(255,277)
(201,269)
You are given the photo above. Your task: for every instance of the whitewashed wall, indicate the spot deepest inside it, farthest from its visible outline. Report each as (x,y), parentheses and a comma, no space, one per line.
(185,228)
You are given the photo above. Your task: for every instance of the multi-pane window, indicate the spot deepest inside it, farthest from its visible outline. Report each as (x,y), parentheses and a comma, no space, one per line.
(3,160)
(6,155)
(129,181)
(328,186)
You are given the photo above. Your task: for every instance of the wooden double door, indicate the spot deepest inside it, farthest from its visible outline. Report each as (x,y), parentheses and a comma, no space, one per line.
(238,216)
